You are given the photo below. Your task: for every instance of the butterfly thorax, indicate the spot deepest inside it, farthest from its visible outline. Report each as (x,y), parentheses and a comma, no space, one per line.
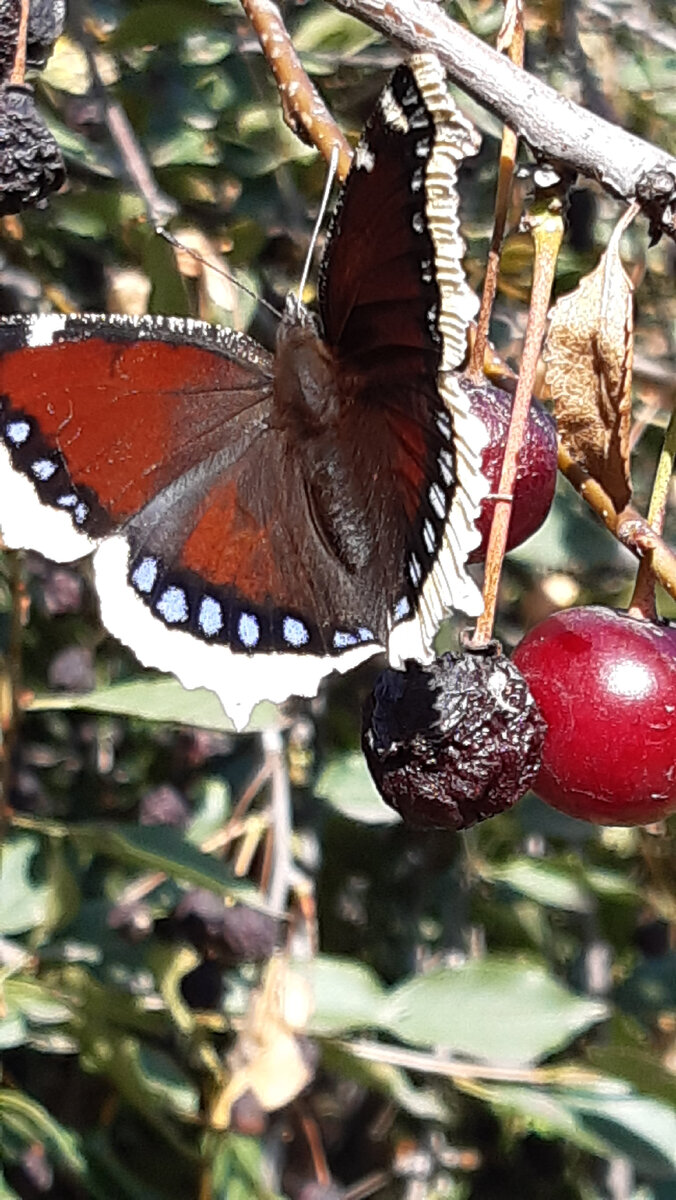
(306,399)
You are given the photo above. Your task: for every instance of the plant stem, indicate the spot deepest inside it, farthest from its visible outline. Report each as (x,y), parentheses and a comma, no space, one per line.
(515,50)
(643,599)
(546,226)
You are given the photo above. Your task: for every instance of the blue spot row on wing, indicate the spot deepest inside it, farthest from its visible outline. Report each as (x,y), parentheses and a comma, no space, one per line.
(212,619)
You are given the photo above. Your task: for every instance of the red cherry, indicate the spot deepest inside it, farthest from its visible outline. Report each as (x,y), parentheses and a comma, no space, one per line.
(536,475)
(605,683)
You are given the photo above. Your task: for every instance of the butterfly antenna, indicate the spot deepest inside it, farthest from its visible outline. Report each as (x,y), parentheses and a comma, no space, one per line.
(173,241)
(330,176)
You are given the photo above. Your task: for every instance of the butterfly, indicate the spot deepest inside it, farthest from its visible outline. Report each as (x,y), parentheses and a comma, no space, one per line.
(260,519)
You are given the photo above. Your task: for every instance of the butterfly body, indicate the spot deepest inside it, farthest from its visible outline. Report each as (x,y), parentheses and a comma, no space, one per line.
(302,508)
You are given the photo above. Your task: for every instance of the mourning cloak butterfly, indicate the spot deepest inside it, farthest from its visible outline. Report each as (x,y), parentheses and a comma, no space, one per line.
(262,519)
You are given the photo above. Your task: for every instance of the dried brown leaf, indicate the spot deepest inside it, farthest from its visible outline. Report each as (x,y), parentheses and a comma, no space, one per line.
(588,359)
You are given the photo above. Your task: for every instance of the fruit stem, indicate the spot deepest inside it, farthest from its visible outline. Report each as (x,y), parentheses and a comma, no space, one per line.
(512,38)
(628,526)
(545,223)
(643,599)
(18,75)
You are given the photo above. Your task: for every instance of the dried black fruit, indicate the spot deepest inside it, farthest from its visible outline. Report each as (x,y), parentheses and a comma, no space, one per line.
(203,987)
(164,805)
(45,25)
(62,590)
(247,1116)
(319,1191)
(133,921)
(31,165)
(230,933)
(453,743)
(10,17)
(72,669)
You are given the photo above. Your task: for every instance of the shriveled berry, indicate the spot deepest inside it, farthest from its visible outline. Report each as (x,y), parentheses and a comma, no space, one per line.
(10,17)
(202,988)
(31,166)
(62,590)
(230,933)
(536,474)
(133,921)
(45,24)
(319,1191)
(247,1115)
(455,742)
(72,669)
(164,805)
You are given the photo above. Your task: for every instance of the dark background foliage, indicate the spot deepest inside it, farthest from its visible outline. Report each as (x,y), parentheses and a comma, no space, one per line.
(494,1012)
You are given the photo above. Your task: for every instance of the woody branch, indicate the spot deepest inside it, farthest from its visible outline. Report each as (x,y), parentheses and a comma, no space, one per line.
(555,128)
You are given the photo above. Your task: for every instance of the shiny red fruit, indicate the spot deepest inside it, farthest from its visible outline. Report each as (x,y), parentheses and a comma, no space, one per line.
(605,683)
(536,475)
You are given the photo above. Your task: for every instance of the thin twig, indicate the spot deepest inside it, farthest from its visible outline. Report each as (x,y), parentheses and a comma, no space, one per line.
(512,39)
(11,716)
(18,74)
(281,820)
(304,110)
(431,1063)
(629,526)
(546,226)
(555,128)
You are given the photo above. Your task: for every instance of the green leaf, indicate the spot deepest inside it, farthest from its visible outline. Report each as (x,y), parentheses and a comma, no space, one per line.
(35,1001)
(497,1010)
(12,1029)
(30,1122)
(239,1171)
(186,146)
(212,811)
(162,699)
(347,996)
(542,882)
(651,989)
(160,848)
(346,784)
(333,34)
(166,1083)
(6,1192)
(638,1067)
(392,1082)
(158,22)
(642,1130)
(543,1110)
(168,292)
(23,903)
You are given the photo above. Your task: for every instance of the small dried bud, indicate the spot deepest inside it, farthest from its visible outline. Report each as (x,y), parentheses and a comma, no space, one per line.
(203,988)
(453,743)
(10,17)
(164,805)
(31,165)
(229,933)
(45,25)
(247,1115)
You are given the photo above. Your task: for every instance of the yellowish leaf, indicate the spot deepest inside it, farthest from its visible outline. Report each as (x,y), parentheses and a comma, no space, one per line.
(588,359)
(266,1058)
